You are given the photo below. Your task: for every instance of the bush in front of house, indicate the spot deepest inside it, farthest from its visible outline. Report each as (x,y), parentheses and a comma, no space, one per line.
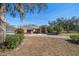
(58,29)
(21,37)
(75,38)
(12,41)
(19,31)
(50,29)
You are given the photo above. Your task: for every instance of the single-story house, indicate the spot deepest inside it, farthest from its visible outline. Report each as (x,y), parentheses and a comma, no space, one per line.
(34,29)
(10,29)
(30,29)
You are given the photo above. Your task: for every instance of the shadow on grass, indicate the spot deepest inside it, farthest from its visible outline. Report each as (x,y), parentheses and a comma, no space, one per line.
(72,41)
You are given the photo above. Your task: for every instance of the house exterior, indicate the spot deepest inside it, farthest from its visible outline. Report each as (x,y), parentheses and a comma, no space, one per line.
(34,29)
(10,29)
(30,29)
(43,29)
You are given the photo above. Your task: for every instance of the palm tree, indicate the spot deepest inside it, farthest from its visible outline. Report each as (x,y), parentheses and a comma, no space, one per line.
(21,9)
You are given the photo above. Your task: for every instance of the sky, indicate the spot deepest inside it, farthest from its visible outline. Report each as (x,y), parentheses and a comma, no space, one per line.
(54,10)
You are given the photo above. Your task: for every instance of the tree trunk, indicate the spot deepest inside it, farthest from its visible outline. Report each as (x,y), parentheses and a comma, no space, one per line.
(2,24)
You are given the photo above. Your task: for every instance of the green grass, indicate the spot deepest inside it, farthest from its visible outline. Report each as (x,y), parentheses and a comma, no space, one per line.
(69,34)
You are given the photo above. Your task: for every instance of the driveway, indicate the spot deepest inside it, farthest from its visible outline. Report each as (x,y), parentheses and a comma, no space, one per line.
(45,35)
(44,45)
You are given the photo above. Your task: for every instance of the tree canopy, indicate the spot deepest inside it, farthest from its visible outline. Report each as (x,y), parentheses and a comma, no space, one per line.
(21,8)
(71,24)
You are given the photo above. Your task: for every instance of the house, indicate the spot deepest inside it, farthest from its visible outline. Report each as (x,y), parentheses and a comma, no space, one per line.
(30,29)
(10,29)
(43,29)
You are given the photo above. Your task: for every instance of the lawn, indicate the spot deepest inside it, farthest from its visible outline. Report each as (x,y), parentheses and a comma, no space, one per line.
(68,34)
(42,46)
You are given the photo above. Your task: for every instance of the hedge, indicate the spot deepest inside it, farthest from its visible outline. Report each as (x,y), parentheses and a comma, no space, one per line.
(12,41)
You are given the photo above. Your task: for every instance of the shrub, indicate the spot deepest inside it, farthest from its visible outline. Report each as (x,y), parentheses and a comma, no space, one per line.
(12,41)
(19,31)
(58,29)
(50,29)
(75,38)
(21,37)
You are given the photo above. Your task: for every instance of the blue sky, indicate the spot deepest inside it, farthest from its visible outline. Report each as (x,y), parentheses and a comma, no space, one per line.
(55,10)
